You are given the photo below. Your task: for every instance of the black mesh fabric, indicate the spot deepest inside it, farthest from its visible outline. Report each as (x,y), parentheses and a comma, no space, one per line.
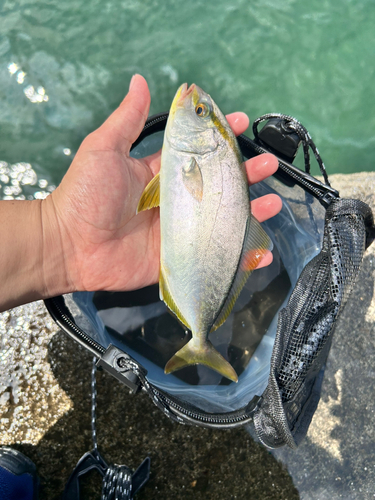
(306,325)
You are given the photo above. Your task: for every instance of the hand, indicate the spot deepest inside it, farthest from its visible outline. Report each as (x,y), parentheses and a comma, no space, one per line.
(106,246)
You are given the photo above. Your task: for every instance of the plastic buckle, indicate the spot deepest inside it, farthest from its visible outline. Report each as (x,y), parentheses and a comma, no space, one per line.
(281,138)
(117,363)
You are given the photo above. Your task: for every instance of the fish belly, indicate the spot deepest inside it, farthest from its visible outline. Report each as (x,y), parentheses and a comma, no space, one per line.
(201,241)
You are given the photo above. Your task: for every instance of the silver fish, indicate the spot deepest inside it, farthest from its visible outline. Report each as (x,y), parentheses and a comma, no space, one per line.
(210,242)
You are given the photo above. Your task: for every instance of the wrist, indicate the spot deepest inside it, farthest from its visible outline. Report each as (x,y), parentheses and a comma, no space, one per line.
(32,256)
(57,251)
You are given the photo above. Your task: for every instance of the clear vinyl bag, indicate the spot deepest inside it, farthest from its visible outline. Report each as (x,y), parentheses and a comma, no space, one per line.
(278,335)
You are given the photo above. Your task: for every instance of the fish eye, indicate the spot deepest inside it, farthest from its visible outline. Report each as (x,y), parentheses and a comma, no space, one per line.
(201,110)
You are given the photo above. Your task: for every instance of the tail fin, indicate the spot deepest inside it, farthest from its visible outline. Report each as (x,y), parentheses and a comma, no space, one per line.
(194,353)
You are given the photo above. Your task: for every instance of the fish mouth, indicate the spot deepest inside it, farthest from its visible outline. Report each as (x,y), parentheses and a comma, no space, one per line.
(182,93)
(185,90)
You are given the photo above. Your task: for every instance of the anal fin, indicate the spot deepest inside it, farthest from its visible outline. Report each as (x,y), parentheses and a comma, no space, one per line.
(166,296)
(255,246)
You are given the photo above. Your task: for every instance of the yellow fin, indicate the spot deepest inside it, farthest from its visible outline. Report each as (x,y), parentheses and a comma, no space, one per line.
(151,195)
(168,299)
(194,353)
(255,246)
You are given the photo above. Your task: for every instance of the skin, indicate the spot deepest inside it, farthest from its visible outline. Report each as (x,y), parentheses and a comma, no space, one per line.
(85,235)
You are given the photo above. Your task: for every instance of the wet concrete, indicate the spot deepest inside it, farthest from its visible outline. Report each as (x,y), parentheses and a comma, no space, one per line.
(45,413)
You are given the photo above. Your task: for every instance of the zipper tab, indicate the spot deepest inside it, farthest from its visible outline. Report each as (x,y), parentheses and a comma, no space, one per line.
(328,198)
(119,364)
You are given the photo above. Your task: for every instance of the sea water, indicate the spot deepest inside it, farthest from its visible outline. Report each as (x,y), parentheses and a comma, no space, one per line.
(65,66)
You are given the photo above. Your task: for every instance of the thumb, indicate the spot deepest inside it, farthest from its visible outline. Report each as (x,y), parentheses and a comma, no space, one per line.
(124,125)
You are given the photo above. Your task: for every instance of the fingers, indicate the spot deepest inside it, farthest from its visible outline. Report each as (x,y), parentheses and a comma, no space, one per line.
(260,167)
(125,124)
(265,207)
(238,122)
(257,168)
(266,261)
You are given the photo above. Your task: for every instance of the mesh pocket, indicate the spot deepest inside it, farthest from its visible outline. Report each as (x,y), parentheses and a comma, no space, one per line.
(306,326)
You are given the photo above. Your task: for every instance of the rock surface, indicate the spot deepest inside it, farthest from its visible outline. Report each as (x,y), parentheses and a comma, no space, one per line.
(45,413)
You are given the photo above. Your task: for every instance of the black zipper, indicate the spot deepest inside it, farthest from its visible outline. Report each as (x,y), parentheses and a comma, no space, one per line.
(218,420)
(59,312)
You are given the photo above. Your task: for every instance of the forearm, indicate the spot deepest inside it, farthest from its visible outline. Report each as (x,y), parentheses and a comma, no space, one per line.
(32,265)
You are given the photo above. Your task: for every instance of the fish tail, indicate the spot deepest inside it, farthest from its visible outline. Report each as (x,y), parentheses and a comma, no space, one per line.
(203,353)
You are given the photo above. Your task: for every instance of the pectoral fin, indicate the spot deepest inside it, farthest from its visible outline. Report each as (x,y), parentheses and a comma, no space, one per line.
(192,178)
(151,195)
(256,244)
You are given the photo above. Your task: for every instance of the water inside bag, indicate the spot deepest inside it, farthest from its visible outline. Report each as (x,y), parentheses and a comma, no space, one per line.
(141,325)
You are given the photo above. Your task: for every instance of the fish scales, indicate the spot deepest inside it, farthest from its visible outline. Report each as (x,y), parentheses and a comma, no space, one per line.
(204,239)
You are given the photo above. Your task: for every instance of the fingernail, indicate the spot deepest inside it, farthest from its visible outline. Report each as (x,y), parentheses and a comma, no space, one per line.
(132,82)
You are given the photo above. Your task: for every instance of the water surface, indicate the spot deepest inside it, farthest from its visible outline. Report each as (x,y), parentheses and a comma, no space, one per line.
(64,66)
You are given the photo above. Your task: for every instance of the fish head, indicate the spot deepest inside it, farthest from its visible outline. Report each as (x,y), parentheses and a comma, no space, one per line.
(195,124)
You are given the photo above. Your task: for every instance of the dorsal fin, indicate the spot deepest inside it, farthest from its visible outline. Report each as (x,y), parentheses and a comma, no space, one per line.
(151,195)
(255,246)
(168,299)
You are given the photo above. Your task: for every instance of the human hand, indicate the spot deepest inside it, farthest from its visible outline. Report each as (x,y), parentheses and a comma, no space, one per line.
(105,245)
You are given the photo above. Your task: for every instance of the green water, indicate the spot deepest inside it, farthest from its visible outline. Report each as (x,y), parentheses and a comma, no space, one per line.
(65,65)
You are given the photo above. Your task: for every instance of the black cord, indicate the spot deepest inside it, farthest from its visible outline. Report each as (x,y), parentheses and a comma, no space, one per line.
(294,125)
(93,404)
(117,482)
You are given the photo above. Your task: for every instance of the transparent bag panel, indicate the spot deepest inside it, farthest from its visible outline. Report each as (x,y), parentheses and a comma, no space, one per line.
(140,324)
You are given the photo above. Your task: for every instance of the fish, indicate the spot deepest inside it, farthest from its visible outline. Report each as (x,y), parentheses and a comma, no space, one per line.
(210,241)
